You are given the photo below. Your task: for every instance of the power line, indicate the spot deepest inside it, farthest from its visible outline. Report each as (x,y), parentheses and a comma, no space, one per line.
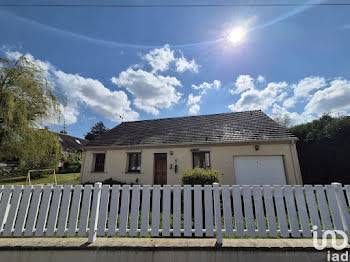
(173,5)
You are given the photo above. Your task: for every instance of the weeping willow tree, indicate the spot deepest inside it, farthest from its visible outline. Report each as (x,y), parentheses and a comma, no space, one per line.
(26,98)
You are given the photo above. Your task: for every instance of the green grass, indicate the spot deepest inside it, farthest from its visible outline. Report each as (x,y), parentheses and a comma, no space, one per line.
(62,179)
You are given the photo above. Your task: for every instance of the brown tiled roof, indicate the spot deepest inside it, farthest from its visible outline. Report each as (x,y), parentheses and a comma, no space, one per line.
(245,126)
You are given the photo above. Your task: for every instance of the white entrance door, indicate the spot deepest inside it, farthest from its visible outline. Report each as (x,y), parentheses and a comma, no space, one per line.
(259,170)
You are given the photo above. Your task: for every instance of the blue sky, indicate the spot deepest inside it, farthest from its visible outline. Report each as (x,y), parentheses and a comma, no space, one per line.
(145,63)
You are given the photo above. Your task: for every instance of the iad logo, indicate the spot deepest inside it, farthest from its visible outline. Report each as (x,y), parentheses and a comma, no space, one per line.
(332,234)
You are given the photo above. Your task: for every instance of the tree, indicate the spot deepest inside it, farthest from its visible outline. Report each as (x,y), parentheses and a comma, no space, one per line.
(324,149)
(96,131)
(323,129)
(73,163)
(283,120)
(26,98)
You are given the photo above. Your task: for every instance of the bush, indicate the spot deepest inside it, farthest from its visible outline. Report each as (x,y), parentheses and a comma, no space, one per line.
(200,176)
(111,182)
(72,164)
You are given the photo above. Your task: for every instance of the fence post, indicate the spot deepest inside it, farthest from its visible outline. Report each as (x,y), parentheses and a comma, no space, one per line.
(217,210)
(95,207)
(343,209)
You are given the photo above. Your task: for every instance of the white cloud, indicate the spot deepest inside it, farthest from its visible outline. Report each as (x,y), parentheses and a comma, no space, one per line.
(192,99)
(70,114)
(330,98)
(79,92)
(151,92)
(44,65)
(194,110)
(295,117)
(182,64)
(260,99)
(215,84)
(307,85)
(290,102)
(13,55)
(92,93)
(303,90)
(243,83)
(160,58)
(260,79)
(251,98)
(336,97)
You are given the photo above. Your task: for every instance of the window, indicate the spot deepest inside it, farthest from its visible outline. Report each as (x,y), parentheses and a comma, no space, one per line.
(99,162)
(134,162)
(201,159)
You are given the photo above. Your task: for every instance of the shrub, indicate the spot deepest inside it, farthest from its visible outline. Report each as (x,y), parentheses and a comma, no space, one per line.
(111,181)
(72,164)
(200,176)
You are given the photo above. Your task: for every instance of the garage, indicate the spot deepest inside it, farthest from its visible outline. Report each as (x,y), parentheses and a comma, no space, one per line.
(259,170)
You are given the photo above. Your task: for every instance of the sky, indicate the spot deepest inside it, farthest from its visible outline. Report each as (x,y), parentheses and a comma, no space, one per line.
(126,64)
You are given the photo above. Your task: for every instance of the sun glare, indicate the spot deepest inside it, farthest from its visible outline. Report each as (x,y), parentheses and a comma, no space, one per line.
(236,35)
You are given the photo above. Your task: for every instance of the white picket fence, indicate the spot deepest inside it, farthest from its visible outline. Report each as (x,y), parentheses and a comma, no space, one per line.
(172,211)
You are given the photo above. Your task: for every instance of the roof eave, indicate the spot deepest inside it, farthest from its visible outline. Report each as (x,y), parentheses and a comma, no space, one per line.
(291,139)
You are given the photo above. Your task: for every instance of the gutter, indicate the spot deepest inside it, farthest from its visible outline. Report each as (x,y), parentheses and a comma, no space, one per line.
(265,141)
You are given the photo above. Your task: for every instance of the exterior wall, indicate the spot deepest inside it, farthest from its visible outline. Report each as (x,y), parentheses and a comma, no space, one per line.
(221,158)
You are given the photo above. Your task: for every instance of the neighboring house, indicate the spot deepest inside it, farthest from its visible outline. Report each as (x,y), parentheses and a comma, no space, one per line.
(246,147)
(70,144)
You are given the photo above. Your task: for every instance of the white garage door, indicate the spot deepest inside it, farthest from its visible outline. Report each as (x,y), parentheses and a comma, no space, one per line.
(259,170)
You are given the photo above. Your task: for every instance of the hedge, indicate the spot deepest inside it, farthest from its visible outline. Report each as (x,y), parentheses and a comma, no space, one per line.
(200,176)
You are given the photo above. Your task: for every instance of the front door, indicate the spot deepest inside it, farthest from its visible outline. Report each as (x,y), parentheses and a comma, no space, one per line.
(160,168)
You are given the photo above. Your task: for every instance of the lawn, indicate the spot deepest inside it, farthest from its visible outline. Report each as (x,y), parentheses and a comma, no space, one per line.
(62,179)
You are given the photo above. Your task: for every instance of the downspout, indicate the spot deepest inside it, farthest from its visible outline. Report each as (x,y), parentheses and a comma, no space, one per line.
(293,160)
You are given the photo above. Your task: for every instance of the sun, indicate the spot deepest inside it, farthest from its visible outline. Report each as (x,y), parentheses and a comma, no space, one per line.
(236,35)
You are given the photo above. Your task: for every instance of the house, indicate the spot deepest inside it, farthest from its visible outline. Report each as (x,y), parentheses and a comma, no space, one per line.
(70,144)
(245,147)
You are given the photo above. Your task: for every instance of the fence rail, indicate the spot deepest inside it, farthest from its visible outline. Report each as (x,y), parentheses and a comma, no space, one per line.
(173,211)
